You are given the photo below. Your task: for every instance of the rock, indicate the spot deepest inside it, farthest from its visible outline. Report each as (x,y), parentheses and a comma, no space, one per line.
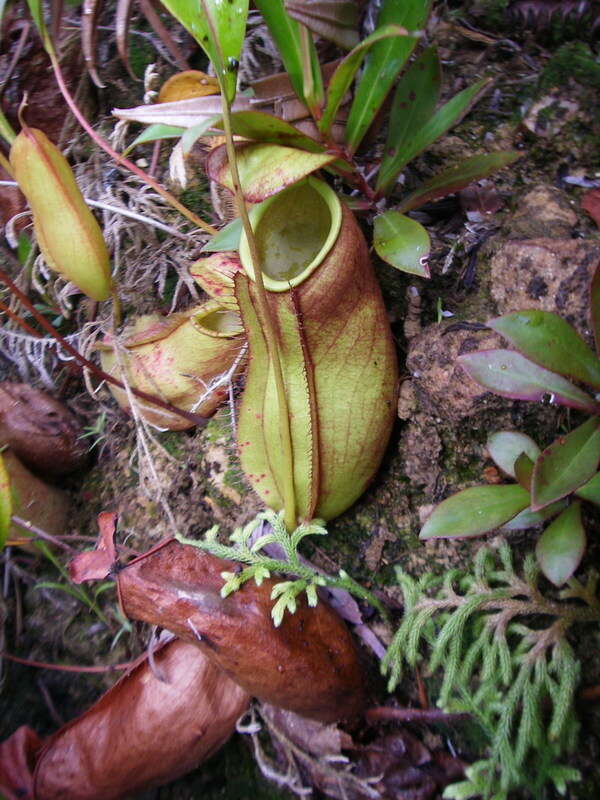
(547,274)
(441,387)
(421,446)
(544,211)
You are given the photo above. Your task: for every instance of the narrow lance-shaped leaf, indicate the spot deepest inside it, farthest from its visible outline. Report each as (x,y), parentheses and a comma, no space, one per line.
(510,374)
(384,63)
(415,100)
(457,177)
(590,491)
(566,464)
(561,546)
(443,119)
(551,342)
(36,9)
(266,128)
(155,133)
(228,238)
(505,447)
(343,76)
(475,511)
(286,35)
(219,29)
(5,502)
(402,242)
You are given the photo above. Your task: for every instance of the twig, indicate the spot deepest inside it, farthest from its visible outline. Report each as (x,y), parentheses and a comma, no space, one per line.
(41,534)
(28,662)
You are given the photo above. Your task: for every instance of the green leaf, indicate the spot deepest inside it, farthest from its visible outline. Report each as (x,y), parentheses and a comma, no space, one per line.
(549,341)
(590,491)
(155,133)
(383,65)
(566,464)
(191,135)
(475,511)
(505,447)
(36,9)
(266,128)
(402,242)
(219,29)
(443,119)
(524,471)
(6,508)
(228,238)
(286,35)
(264,169)
(561,546)
(457,177)
(415,100)
(531,519)
(345,71)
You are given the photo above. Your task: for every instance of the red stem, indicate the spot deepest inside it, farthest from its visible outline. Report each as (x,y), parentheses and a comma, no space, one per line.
(118,158)
(195,419)
(67,667)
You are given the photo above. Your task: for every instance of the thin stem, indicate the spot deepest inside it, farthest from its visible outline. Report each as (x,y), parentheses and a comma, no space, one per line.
(28,662)
(40,533)
(289,493)
(21,322)
(195,419)
(117,157)
(380,713)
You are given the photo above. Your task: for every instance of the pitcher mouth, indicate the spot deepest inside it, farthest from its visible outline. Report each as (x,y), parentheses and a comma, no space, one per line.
(294,231)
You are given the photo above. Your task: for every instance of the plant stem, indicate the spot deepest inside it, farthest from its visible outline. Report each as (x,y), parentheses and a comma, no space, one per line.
(289,494)
(117,157)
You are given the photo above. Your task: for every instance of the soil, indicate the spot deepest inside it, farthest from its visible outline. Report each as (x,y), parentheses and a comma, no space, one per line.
(536,248)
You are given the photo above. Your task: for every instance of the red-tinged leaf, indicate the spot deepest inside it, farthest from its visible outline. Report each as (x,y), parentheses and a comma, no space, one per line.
(266,128)
(561,546)
(18,754)
(551,342)
(475,511)
(5,502)
(590,202)
(590,491)
(566,464)
(156,723)
(595,307)
(334,20)
(264,169)
(457,177)
(504,447)
(384,63)
(430,130)
(122,18)
(402,242)
(94,565)
(509,374)
(524,471)
(89,31)
(343,76)
(308,665)
(531,519)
